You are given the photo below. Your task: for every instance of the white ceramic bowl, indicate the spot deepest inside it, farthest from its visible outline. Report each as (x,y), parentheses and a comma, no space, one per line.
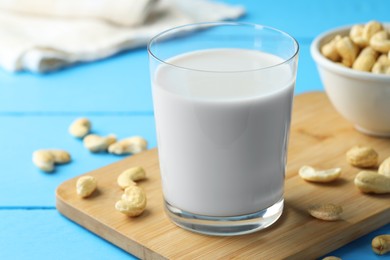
(363,98)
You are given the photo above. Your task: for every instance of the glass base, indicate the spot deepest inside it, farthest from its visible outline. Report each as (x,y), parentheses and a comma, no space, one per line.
(226,226)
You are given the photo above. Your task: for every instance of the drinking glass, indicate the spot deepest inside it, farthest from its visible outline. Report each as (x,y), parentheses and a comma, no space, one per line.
(222,96)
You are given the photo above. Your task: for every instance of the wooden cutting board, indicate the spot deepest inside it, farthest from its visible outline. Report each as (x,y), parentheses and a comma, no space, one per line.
(319,137)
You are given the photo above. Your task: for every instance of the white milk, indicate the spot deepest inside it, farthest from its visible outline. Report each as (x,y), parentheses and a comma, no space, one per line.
(222,136)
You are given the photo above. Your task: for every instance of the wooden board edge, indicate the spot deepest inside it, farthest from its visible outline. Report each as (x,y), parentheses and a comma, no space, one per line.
(312,96)
(311,93)
(376,221)
(106,233)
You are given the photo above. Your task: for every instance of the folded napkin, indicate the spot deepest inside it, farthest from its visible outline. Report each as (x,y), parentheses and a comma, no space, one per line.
(51,34)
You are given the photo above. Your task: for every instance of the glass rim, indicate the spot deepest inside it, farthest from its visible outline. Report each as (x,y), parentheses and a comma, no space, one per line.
(244,24)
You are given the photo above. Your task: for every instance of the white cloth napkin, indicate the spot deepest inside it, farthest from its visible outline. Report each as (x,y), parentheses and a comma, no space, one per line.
(51,34)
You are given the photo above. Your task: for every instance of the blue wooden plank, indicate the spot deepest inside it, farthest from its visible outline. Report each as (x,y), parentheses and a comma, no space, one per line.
(308,78)
(45,234)
(306,19)
(22,184)
(361,248)
(119,83)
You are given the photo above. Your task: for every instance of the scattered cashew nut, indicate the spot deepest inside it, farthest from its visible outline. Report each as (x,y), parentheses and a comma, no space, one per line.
(310,174)
(130,176)
(80,127)
(384,168)
(372,182)
(331,258)
(366,59)
(46,159)
(135,144)
(381,41)
(96,143)
(133,201)
(85,186)
(362,156)
(381,244)
(329,50)
(348,50)
(328,212)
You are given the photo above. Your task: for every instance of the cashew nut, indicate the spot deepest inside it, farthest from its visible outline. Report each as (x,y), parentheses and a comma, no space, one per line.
(96,143)
(366,60)
(372,182)
(362,156)
(382,65)
(381,244)
(370,29)
(385,59)
(331,258)
(85,186)
(80,127)
(328,212)
(310,174)
(356,35)
(348,50)
(361,34)
(133,201)
(130,176)
(135,144)
(381,41)
(384,168)
(46,159)
(329,50)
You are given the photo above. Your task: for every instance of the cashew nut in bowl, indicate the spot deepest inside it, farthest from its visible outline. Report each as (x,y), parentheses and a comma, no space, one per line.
(366,60)
(381,41)
(361,34)
(356,35)
(329,50)
(348,50)
(361,47)
(370,29)
(382,65)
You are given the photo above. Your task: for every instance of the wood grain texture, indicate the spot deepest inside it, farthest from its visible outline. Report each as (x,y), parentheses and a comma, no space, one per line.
(319,137)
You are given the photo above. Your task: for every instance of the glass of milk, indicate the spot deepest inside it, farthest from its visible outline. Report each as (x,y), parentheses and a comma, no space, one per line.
(222,95)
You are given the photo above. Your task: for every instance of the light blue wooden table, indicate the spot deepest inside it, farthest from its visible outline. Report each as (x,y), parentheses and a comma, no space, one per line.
(36,110)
